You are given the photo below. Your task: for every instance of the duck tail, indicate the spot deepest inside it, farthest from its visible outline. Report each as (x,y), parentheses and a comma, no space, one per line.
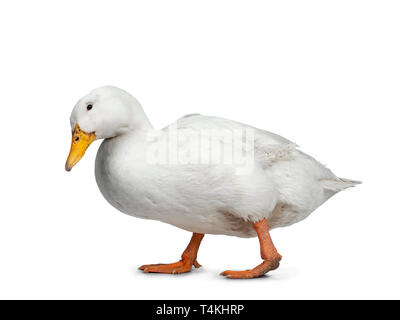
(339,184)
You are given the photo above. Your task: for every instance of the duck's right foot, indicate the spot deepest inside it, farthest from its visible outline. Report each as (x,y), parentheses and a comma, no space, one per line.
(188,260)
(181,266)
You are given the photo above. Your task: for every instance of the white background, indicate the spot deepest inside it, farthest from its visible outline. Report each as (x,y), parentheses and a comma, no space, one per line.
(324,74)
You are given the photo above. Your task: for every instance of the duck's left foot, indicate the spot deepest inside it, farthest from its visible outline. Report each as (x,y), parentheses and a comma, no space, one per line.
(188,260)
(269,254)
(256,272)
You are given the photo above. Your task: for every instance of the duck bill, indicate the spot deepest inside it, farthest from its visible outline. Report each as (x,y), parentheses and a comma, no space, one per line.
(80,142)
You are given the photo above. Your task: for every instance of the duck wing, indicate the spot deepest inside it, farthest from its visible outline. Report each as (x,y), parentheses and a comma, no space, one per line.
(268,147)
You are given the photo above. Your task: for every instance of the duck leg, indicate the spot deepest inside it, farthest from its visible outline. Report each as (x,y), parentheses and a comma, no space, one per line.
(269,254)
(188,259)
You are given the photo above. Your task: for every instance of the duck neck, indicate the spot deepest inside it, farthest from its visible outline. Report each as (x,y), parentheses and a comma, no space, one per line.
(140,122)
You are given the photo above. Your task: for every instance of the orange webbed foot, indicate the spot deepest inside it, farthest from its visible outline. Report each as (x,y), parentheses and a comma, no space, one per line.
(189,259)
(181,266)
(259,271)
(269,254)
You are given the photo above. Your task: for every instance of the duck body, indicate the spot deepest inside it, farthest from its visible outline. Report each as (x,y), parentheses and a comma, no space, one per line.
(284,186)
(203,174)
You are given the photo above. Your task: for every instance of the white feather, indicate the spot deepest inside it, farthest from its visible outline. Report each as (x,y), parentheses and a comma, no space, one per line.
(284,185)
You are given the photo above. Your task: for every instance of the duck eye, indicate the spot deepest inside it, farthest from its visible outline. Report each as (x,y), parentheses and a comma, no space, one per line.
(89,107)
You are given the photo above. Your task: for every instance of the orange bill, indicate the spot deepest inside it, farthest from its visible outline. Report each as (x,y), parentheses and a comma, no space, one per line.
(80,142)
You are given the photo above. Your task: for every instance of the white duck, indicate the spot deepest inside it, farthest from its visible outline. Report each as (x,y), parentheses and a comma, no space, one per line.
(273,185)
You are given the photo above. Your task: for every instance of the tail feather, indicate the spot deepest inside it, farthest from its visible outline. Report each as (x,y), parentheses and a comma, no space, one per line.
(339,184)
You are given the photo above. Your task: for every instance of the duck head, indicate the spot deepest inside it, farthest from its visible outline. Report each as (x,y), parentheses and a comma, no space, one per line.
(104,113)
